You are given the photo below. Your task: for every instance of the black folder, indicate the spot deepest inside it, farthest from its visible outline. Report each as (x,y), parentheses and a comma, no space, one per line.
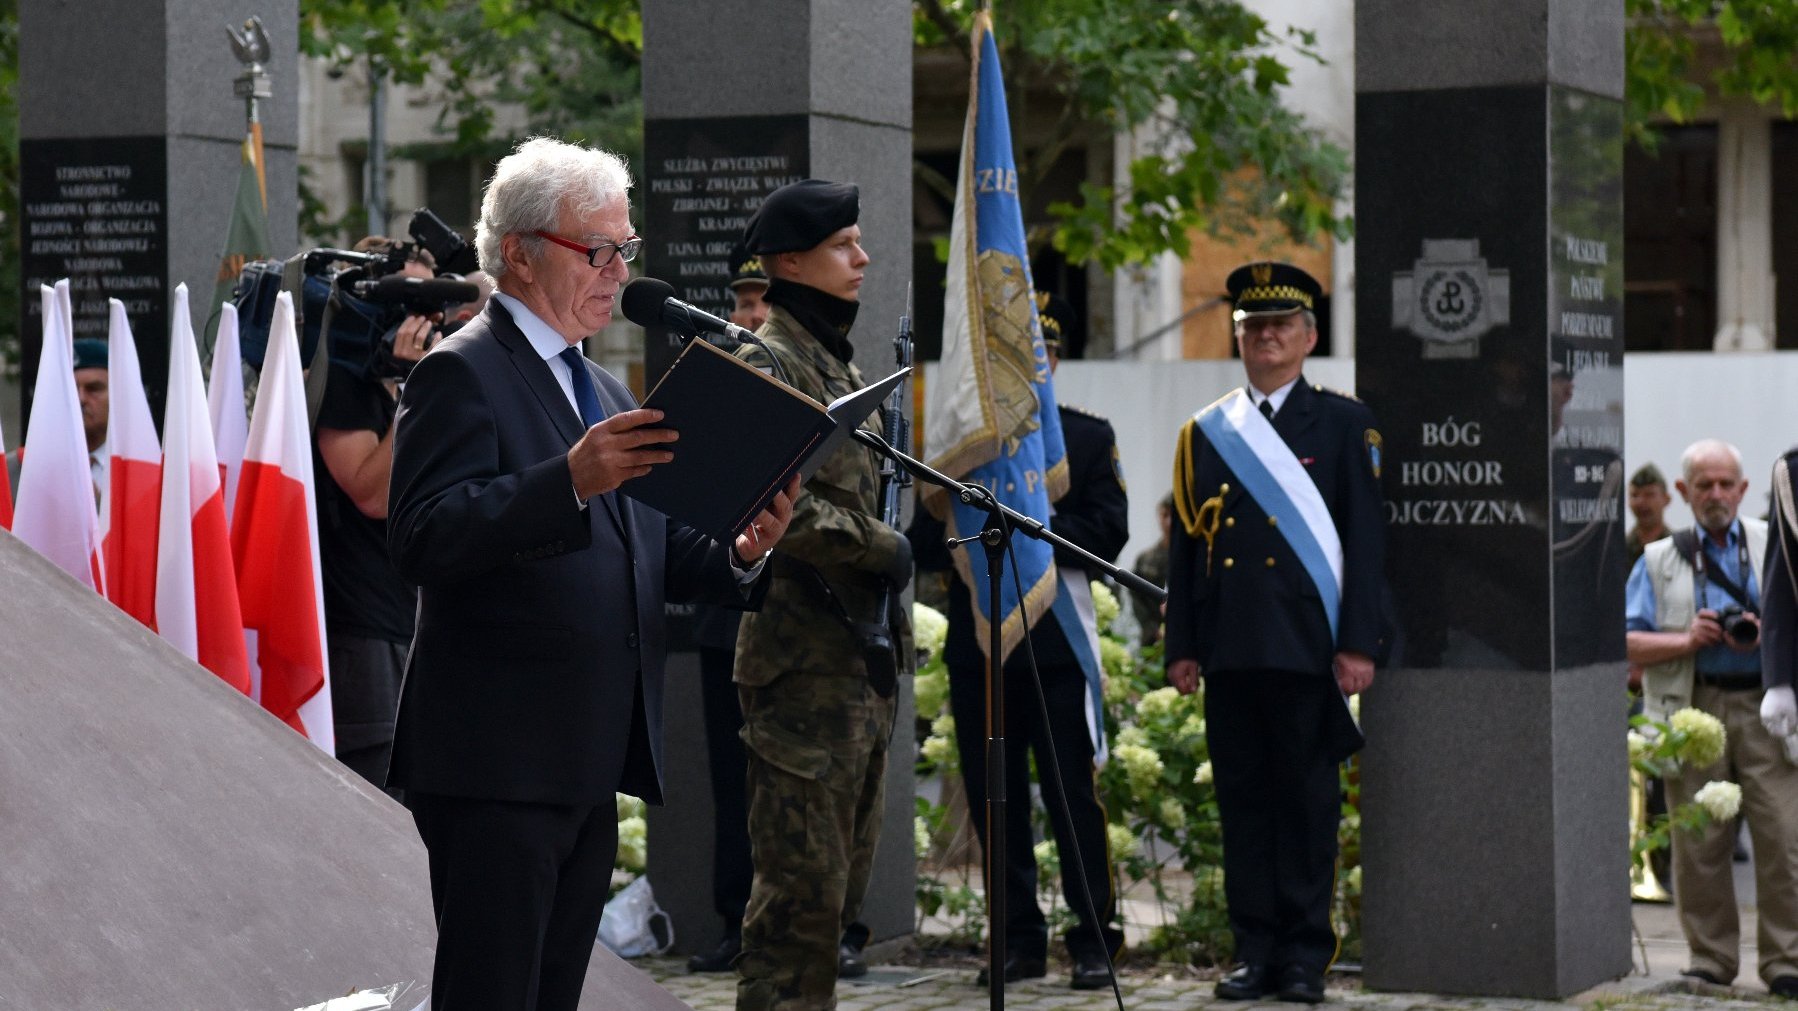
(743,435)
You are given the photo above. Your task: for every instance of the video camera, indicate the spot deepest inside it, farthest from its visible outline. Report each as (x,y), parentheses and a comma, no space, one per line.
(359,299)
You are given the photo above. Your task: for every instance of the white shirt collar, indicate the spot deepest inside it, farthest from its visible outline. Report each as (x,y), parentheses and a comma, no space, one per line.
(1276,398)
(544,339)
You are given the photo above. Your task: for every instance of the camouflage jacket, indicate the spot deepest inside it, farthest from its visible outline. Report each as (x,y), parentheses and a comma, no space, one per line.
(836,531)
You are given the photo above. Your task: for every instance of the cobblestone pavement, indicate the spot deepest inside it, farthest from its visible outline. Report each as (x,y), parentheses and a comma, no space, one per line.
(1655,985)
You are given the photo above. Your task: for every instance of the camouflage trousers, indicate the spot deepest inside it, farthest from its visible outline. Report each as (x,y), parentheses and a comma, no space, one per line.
(817,747)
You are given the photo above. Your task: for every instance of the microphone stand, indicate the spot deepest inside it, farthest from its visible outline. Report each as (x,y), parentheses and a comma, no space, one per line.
(995,537)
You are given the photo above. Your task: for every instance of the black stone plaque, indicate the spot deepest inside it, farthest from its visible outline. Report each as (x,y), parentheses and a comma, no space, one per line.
(95,210)
(1585,324)
(705,178)
(1452,355)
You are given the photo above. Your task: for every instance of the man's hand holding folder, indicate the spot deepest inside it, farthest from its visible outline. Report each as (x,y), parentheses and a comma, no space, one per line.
(617,449)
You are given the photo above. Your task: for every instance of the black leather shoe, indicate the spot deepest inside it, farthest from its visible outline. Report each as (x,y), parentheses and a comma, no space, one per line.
(850,963)
(1704,976)
(1018,967)
(1784,986)
(1247,981)
(1299,985)
(720,958)
(1090,972)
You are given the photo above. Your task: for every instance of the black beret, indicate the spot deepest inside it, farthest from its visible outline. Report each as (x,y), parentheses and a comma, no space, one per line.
(1271,289)
(746,267)
(800,215)
(1647,474)
(1058,321)
(90,353)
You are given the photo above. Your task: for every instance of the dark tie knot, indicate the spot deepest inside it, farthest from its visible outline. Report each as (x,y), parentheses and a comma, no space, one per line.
(1267,409)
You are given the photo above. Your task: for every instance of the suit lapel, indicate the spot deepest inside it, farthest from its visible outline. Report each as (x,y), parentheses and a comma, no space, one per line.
(542,383)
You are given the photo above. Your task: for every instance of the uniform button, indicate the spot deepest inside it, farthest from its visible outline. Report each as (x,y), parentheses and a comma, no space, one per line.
(1272,522)
(1270,563)
(1229,563)
(630,641)
(1229,521)
(1224,489)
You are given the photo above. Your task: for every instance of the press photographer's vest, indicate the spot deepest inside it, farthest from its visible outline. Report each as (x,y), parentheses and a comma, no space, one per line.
(1667,687)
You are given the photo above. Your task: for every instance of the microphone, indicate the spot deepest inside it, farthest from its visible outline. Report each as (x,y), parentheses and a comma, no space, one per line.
(417,291)
(648,301)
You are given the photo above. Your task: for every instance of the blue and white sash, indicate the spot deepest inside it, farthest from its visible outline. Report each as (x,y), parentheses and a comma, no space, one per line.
(1277,481)
(1074,612)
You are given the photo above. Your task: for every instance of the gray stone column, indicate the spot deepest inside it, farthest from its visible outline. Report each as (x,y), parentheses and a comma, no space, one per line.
(740,97)
(129,150)
(1489,317)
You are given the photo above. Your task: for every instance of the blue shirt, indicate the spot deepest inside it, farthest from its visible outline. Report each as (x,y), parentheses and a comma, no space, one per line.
(1639,602)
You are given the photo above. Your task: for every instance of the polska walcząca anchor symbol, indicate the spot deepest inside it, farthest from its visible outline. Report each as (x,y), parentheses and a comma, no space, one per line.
(1451,298)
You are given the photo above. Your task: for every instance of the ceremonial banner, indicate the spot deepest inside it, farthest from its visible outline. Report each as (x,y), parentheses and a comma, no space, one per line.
(56,513)
(247,238)
(196,583)
(132,498)
(274,537)
(990,412)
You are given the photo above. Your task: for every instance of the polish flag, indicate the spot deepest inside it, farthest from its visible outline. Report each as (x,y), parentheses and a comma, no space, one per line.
(278,571)
(5,490)
(196,585)
(224,403)
(133,496)
(55,513)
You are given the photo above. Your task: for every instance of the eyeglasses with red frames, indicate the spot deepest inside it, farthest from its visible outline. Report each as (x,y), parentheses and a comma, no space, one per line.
(626,250)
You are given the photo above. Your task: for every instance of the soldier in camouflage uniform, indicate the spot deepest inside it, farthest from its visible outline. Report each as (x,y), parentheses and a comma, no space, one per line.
(816,728)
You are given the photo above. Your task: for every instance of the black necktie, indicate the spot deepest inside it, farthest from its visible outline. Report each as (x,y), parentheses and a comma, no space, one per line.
(586,398)
(1267,410)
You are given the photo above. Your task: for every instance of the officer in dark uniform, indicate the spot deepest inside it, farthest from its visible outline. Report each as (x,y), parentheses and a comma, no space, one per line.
(1094,514)
(1246,611)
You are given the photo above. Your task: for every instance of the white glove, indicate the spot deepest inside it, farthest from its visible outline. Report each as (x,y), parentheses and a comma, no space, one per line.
(1779,711)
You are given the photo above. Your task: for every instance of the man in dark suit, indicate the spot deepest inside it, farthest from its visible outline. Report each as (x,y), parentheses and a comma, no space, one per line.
(1274,575)
(533,690)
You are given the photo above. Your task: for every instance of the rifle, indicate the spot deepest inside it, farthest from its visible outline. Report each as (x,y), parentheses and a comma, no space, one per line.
(878,646)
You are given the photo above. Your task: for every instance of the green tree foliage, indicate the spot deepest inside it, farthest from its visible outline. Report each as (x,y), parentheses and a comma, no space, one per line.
(1676,50)
(1197,81)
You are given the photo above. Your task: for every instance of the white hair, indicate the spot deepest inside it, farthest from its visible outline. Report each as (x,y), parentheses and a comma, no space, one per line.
(1706,449)
(533,185)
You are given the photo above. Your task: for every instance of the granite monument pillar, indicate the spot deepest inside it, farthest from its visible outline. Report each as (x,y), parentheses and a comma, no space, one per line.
(1489,216)
(130,140)
(740,98)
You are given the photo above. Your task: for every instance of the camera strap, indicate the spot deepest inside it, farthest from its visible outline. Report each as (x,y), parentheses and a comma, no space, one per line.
(1686,543)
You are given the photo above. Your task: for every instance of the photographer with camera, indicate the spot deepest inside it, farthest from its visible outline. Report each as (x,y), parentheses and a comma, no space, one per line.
(369,609)
(1693,622)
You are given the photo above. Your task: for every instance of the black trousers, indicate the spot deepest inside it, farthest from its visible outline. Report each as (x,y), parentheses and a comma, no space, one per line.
(518,890)
(1064,688)
(732,868)
(1279,798)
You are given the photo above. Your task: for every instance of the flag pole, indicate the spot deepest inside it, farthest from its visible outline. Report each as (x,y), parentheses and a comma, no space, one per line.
(252,49)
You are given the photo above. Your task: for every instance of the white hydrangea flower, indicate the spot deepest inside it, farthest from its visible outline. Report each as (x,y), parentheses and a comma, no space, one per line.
(1721,799)
(1705,737)
(1044,852)
(1173,813)
(1105,606)
(1143,767)
(920,837)
(1158,703)
(633,844)
(1120,841)
(930,692)
(1202,775)
(929,630)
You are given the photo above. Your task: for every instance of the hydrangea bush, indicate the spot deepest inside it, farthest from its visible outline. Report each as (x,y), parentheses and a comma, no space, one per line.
(1690,738)
(1157,789)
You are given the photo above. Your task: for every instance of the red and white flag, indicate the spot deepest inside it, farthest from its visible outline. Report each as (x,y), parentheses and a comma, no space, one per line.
(133,493)
(5,491)
(278,571)
(224,404)
(56,512)
(196,582)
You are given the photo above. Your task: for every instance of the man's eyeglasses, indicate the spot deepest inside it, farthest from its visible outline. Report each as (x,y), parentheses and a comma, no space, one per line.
(627,250)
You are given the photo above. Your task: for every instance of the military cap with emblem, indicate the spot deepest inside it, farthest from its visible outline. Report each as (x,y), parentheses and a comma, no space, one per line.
(1267,288)
(800,215)
(746,268)
(90,353)
(1058,320)
(1645,475)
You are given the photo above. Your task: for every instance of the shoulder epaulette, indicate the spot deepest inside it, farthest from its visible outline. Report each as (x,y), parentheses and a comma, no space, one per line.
(1335,392)
(1083,412)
